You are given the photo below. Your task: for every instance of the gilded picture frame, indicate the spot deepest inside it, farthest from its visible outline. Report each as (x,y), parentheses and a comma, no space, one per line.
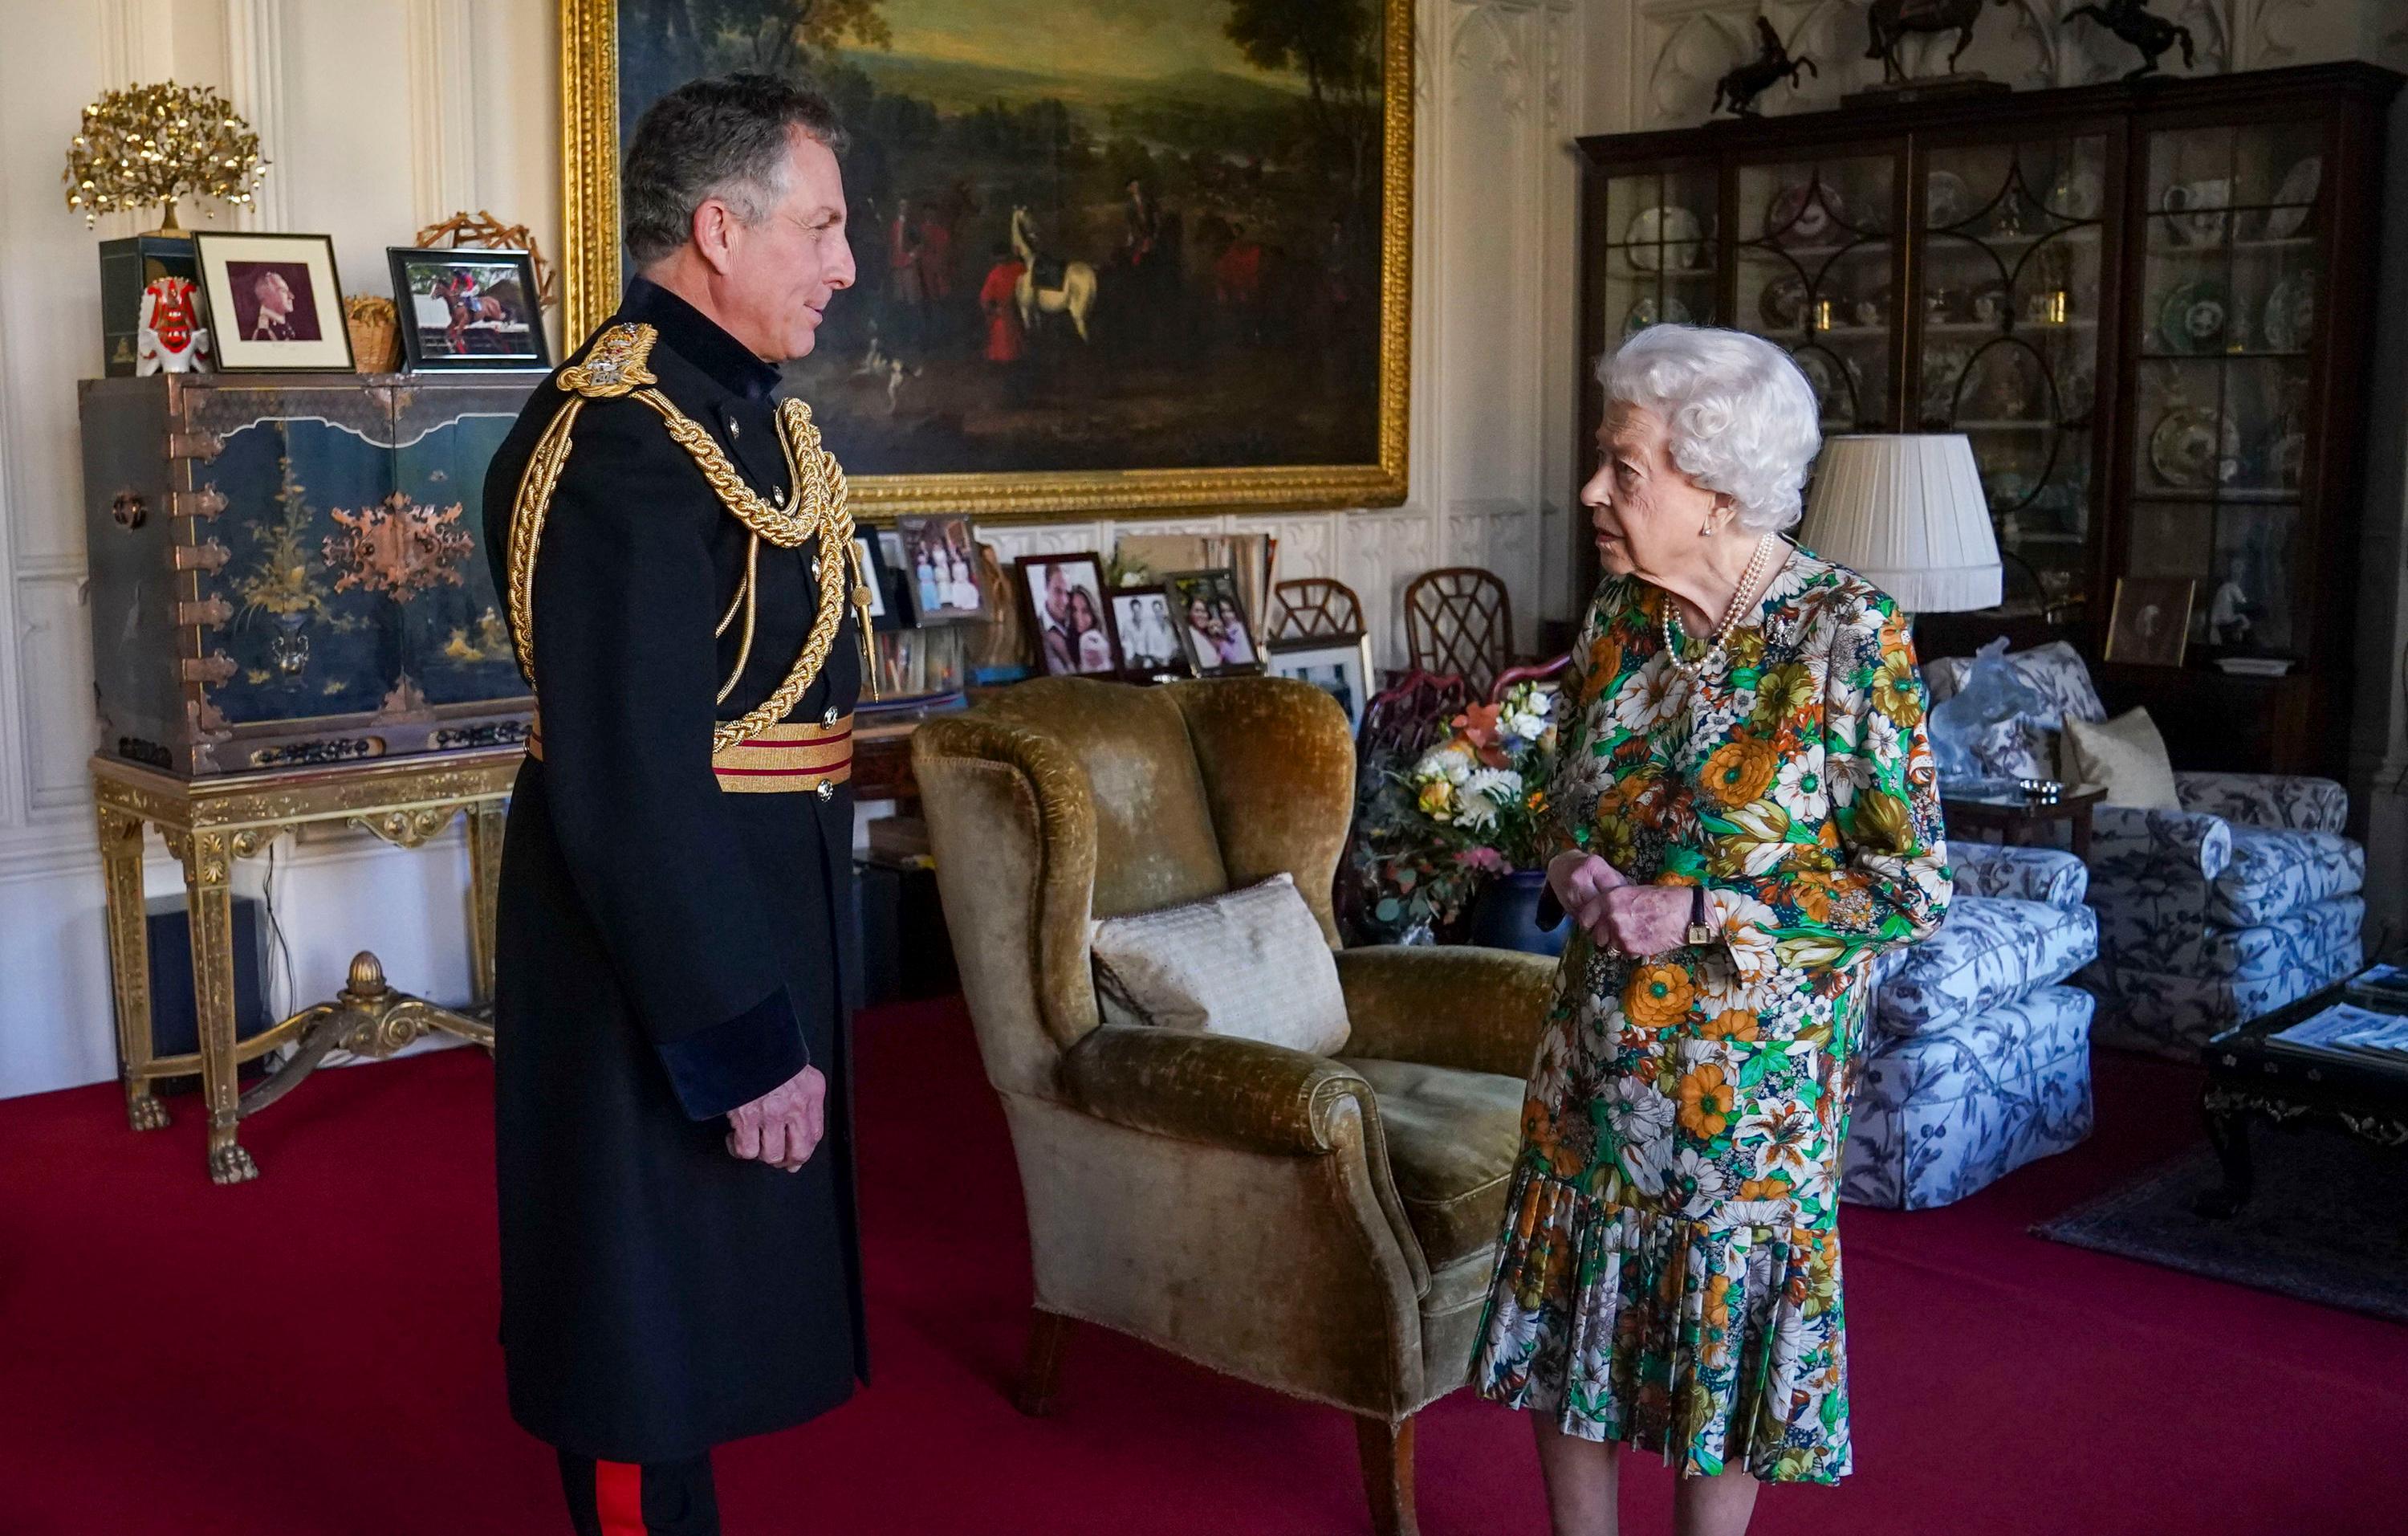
(593,278)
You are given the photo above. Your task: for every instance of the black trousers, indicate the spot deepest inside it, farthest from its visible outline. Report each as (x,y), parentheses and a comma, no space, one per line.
(656,1499)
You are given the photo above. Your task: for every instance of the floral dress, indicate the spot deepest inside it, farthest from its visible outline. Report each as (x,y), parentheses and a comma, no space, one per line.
(1669,1268)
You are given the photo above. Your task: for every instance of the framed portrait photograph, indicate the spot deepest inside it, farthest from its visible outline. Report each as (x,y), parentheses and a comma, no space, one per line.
(1091,237)
(275,304)
(1338,665)
(1069,614)
(1211,620)
(940,569)
(467,311)
(2150,624)
(1149,641)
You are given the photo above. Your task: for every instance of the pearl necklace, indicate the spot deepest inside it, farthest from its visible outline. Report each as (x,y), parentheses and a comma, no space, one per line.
(1755,571)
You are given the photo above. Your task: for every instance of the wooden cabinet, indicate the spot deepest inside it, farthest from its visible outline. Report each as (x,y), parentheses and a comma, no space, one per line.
(2143,303)
(289,571)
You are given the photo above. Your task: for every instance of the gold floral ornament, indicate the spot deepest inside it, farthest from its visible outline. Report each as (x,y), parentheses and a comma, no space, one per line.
(157,143)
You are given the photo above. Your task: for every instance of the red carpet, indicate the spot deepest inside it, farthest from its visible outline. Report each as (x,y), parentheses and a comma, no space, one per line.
(314,1354)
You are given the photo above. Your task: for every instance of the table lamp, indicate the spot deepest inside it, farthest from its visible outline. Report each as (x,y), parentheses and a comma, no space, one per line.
(1907,512)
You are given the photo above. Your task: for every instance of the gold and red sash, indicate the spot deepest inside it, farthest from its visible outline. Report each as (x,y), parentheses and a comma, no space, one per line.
(793,759)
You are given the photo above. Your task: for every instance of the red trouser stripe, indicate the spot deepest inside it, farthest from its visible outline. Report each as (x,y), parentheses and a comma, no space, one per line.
(619,1498)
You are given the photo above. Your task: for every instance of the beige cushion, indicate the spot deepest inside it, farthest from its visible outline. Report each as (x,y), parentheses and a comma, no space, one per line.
(1253,964)
(2126,755)
(1452,1138)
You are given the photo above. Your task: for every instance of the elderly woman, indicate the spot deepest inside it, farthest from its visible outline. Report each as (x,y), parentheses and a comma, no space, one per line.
(1745,810)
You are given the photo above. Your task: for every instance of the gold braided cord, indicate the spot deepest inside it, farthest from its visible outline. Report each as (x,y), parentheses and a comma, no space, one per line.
(743,590)
(817,510)
(750,598)
(536,486)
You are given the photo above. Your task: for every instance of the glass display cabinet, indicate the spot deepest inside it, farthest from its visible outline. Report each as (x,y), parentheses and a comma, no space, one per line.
(2114,292)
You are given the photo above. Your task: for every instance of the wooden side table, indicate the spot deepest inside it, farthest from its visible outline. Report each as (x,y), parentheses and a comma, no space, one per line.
(2016,821)
(2250,1079)
(207,824)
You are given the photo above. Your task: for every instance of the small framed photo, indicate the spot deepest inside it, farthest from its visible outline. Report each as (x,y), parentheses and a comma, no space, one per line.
(467,311)
(885,603)
(1068,615)
(274,303)
(2150,624)
(1210,620)
(1149,641)
(940,568)
(1338,665)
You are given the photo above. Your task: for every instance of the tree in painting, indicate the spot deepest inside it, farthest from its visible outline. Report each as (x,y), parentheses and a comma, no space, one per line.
(1090,234)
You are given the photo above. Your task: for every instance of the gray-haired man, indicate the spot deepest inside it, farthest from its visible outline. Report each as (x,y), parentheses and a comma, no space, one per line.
(679,1262)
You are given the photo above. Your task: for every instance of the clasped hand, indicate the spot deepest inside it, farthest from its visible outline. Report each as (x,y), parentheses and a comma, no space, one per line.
(1618,914)
(782,1125)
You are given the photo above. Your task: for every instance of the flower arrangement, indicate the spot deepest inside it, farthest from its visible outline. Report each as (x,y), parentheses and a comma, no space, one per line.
(1482,790)
(1434,834)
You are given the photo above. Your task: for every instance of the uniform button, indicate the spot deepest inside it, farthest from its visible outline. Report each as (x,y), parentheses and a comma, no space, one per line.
(815,568)
(826,790)
(778,496)
(829,718)
(735,428)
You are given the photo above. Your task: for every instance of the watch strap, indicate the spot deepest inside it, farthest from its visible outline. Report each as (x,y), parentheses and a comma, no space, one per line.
(1700,932)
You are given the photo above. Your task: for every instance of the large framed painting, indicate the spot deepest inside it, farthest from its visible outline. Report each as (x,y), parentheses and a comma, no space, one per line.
(1114,255)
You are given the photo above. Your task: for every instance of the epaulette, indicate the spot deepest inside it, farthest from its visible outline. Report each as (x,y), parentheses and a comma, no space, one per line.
(615,364)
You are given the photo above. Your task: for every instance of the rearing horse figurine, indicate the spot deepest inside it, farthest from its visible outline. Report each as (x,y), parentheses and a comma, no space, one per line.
(2132,20)
(1890,21)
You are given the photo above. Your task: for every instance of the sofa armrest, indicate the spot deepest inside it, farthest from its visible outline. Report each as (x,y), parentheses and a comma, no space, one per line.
(1218,1089)
(1475,1010)
(2129,840)
(2027,874)
(2296,801)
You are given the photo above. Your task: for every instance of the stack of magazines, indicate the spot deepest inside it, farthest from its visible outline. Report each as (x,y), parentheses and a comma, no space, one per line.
(2346,1029)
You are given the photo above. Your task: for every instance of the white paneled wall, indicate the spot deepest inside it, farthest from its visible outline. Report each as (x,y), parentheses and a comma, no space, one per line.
(380,116)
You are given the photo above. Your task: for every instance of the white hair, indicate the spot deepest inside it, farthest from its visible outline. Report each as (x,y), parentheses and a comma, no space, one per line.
(1742,419)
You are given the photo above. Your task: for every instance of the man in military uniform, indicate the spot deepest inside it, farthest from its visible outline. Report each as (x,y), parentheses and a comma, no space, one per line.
(678,1260)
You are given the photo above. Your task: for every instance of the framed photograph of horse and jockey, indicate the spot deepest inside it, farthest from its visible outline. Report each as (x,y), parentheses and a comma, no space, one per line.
(1135,258)
(467,311)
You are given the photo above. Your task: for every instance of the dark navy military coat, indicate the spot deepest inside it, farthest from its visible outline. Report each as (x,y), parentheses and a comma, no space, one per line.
(666,951)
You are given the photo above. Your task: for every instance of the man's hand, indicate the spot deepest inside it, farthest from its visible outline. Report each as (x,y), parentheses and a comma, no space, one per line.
(782,1125)
(1646,919)
(1580,882)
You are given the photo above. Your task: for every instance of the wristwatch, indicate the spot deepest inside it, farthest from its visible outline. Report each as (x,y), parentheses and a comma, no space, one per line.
(1699,933)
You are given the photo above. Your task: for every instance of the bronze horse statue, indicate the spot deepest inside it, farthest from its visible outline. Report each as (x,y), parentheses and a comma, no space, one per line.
(2131,21)
(1749,81)
(1890,21)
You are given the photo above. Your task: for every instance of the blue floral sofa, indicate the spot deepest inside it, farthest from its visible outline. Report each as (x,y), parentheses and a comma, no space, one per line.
(1977,1058)
(2243,900)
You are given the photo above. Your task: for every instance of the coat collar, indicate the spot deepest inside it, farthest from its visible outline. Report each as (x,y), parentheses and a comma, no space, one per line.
(695,337)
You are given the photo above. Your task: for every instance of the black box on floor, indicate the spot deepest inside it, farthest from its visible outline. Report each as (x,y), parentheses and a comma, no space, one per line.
(175,1021)
(906,952)
(126,267)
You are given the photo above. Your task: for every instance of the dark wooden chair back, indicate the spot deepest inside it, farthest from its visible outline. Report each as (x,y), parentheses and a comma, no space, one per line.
(1537,672)
(1315,608)
(1459,621)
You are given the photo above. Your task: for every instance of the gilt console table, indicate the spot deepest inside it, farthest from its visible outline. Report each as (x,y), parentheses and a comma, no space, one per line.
(208,823)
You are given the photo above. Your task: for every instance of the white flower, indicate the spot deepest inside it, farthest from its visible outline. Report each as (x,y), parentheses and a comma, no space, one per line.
(1649,696)
(1799,788)
(1452,761)
(1881,744)
(1745,922)
(1701,1175)
(1644,1163)
(1785,1136)
(1636,1111)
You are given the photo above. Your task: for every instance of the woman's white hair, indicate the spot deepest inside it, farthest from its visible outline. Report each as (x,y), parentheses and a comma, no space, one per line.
(1742,419)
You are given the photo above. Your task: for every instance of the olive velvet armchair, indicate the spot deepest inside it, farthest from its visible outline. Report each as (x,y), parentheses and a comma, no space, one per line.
(1321,1226)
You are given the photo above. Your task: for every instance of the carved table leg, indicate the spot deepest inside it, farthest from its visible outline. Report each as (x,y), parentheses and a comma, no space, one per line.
(2228,1131)
(207,868)
(129,964)
(485,823)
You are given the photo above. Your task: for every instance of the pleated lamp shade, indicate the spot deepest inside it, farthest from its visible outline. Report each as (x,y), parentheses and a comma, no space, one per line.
(1907,512)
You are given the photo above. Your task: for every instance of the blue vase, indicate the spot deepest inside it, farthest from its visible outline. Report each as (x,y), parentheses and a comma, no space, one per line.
(1506,916)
